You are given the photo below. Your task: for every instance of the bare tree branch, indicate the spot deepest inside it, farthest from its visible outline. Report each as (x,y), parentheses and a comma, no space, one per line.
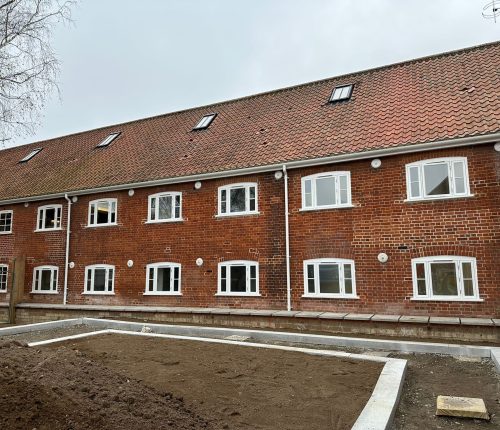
(28,66)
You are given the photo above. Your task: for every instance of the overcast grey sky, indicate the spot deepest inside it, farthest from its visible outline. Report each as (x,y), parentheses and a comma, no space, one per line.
(128,59)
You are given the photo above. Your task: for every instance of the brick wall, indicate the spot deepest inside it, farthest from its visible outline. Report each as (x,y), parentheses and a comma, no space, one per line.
(381,221)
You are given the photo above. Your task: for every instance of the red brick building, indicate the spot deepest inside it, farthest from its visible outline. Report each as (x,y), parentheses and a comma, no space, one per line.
(382,186)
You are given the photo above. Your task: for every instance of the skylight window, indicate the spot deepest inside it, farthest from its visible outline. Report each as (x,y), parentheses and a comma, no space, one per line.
(31,155)
(341,93)
(108,140)
(205,121)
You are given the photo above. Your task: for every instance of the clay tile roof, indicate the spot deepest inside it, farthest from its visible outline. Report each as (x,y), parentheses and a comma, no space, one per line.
(446,96)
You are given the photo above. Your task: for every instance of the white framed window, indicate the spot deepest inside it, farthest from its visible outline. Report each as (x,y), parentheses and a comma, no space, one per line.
(238,278)
(330,278)
(4,276)
(165,207)
(238,199)
(445,278)
(30,155)
(99,279)
(107,141)
(6,222)
(326,190)
(341,93)
(49,218)
(102,212)
(205,121)
(437,178)
(45,279)
(163,279)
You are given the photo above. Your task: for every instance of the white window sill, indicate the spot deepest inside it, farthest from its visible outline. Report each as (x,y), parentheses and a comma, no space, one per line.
(322,208)
(446,299)
(164,221)
(98,293)
(431,199)
(44,292)
(101,225)
(3,291)
(329,296)
(161,293)
(45,230)
(6,232)
(238,294)
(236,214)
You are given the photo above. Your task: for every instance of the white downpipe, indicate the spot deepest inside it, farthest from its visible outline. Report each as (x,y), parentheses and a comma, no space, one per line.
(66,261)
(287,243)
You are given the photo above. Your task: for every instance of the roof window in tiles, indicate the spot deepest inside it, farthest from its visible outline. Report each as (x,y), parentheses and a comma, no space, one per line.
(205,121)
(341,93)
(108,140)
(31,155)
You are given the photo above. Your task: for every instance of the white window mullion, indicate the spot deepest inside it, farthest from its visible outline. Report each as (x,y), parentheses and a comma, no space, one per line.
(316,279)
(460,279)
(341,279)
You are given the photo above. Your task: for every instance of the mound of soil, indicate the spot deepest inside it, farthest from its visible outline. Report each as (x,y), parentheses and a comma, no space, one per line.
(51,389)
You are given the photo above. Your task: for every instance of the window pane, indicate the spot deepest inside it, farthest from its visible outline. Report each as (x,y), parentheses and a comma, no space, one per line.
(5,222)
(110,279)
(237,200)
(102,212)
(50,218)
(458,172)
(343,189)
(113,212)
(436,179)
(347,271)
(467,270)
(100,280)
(45,280)
(165,207)
(163,280)
(421,287)
(152,213)
(177,207)
(348,286)
(3,278)
(468,288)
(238,279)
(325,191)
(89,279)
(329,278)
(308,193)
(444,279)
(223,206)
(151,279)
(414,182)
(223,271)
(252,198)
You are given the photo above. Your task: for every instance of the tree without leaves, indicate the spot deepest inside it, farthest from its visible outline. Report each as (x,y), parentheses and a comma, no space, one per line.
(28,65)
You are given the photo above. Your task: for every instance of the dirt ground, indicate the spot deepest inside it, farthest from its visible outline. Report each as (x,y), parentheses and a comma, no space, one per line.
(431,375)
(124,382)
(56,389)
(242,387)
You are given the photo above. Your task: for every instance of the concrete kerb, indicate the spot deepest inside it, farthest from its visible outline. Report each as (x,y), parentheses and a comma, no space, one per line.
(378,411)
(18,329)
(266,336)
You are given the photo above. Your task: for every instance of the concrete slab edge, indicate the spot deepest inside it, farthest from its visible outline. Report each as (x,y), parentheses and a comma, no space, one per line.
(261,335)
(27,328)
(66,338)
(381,407)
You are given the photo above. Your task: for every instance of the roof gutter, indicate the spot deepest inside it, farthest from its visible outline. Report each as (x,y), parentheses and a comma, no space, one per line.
(342,158)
